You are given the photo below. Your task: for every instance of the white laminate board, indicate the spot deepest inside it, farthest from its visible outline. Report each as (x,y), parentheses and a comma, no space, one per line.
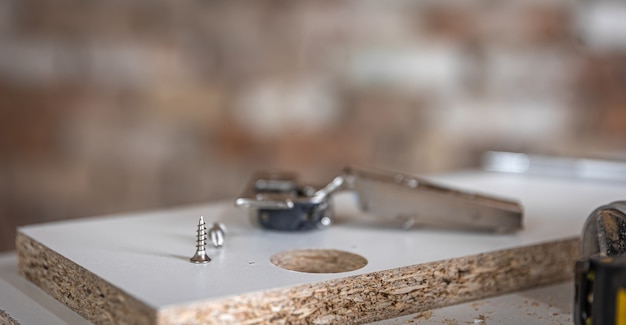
(146,254)
(28,304)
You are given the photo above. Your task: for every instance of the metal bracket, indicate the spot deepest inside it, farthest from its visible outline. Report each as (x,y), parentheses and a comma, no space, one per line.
(278,201)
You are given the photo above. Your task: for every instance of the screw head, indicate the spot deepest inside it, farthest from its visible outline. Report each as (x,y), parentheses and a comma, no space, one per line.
(200,258)
(217,234)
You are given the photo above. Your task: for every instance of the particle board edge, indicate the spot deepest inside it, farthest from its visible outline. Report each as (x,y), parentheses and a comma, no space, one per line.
(82,291)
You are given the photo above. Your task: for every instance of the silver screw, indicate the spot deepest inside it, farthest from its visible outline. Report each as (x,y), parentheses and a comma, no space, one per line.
(216,234)
(200,257)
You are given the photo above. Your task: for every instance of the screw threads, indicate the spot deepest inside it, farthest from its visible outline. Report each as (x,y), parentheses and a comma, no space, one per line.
(201,235)
(200,257)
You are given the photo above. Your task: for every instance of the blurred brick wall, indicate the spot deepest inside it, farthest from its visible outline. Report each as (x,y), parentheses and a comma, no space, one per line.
(111,106)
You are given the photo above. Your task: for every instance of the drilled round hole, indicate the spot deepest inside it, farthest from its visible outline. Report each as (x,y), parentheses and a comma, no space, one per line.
(318,261)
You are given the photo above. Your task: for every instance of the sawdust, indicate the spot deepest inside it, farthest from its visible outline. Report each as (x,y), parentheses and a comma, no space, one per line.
(425,315)
(475,305)
(5,318)
(480,319)
(448,321)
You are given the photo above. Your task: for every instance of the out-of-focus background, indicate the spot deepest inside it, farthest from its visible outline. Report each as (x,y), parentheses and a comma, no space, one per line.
(113,106)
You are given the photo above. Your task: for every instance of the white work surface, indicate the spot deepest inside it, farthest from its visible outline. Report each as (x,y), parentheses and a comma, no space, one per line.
(147,254)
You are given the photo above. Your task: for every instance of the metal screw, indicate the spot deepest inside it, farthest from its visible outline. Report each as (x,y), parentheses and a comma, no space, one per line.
(200,257)
(216,234)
